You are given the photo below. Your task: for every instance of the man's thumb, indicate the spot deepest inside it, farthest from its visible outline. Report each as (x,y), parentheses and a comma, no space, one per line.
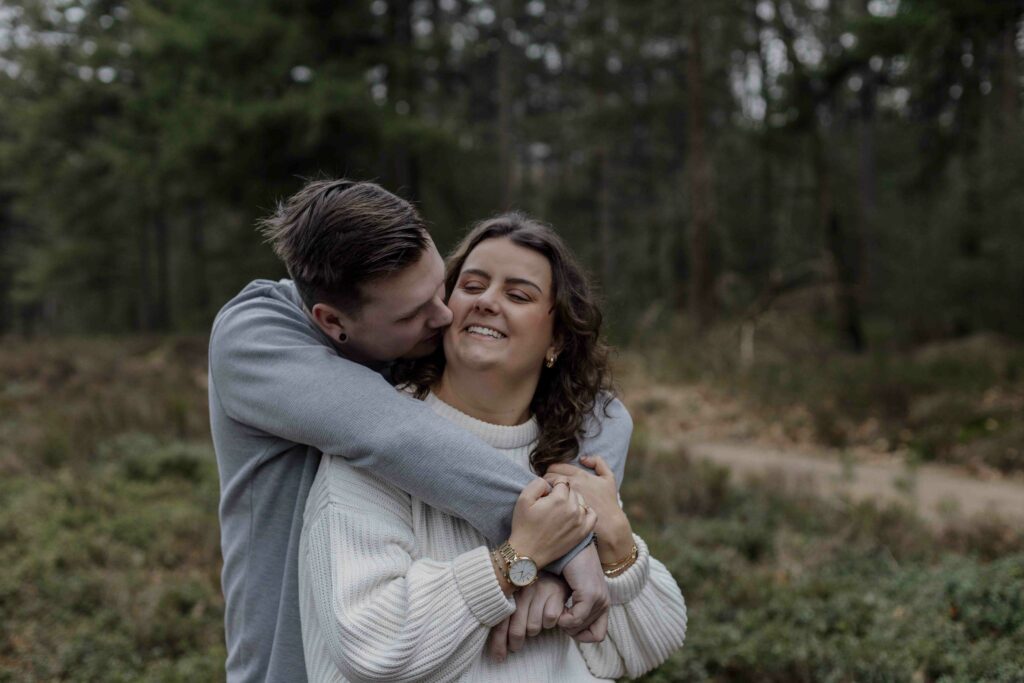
(572,618)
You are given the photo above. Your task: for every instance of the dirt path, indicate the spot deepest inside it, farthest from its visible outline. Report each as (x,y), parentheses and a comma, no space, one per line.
(715,429)
(938,494)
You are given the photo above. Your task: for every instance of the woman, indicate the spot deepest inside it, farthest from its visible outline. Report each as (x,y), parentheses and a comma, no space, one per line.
(393,589)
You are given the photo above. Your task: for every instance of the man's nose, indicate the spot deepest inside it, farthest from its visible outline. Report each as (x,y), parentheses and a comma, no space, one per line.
(442,316)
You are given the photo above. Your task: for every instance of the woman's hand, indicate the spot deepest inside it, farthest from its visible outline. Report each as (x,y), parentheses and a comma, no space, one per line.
(548,522)
(538,607)
(599,490)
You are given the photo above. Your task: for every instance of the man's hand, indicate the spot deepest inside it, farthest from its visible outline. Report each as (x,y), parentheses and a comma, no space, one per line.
(538,607)
(587,619)
(597,486)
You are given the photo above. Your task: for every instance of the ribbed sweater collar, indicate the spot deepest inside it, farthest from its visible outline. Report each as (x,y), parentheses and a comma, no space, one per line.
(499,436)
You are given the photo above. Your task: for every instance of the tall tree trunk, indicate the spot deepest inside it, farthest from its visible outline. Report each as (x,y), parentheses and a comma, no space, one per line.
(1009,78)
(847,301)
(604,163)
(197,256)
(701,184)
(836,242)
(405,163)
(972,228)
(505,138)
(867,177)
(6,238)
(665,254)
(162,317)
(766,176)
(144,301)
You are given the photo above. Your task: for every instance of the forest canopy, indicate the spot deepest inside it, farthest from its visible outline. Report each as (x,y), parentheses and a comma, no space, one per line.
(706,158)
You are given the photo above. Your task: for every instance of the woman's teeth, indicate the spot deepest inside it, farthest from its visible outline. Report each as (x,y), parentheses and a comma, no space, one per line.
(485,331)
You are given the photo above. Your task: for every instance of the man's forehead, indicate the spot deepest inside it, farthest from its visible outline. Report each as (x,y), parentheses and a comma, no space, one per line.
(411,286)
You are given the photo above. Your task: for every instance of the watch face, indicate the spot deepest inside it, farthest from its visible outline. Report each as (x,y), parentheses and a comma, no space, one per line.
(522,572)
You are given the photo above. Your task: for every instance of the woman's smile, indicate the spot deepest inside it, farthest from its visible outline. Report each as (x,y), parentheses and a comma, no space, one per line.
(502,305)
(486,333)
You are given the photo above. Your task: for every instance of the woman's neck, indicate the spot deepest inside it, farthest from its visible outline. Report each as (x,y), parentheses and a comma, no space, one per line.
(486,396)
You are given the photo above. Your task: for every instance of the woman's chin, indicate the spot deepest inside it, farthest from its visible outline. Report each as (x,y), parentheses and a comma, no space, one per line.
(475,360)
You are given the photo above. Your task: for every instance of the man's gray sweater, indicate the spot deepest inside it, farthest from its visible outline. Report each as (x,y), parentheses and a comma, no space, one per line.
(280,397)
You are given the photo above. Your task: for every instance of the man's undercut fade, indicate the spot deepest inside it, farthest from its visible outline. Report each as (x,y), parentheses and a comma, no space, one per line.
(334,236)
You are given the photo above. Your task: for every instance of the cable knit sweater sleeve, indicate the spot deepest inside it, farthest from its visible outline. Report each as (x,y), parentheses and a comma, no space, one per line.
(646,622)
(382,613)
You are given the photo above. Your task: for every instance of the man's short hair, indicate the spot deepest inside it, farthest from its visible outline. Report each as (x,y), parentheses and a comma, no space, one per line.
(336,235)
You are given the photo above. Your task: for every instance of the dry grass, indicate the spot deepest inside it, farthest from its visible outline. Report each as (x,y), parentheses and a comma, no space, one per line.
(959,402)
(110,546)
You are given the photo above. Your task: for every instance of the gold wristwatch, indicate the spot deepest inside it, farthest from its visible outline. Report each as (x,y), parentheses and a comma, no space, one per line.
(520,571)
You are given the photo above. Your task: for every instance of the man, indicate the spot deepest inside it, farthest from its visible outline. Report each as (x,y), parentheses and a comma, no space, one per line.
(294,373)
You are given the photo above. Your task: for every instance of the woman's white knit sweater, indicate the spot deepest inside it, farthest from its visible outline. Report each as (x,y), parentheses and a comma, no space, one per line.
(392,589)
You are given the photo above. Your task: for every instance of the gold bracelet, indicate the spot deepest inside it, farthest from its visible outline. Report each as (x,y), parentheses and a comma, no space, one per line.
(616,568)
(616,563)
(497,560)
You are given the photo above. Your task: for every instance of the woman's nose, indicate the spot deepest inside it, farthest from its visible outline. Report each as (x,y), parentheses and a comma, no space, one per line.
(486,302)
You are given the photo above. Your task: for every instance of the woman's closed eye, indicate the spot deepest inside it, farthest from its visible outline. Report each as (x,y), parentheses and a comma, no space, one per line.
(516,295)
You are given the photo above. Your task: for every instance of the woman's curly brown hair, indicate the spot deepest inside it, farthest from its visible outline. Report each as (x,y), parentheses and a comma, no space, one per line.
(567,393)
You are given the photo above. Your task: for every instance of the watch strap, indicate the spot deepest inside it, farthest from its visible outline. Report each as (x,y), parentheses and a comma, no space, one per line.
(508,554)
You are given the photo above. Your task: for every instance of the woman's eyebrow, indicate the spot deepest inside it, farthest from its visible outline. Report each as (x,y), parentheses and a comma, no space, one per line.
(476,271)
(523,281)
(510,280)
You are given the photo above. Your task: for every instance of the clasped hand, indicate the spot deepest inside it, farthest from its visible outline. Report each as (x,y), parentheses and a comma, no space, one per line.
(542,605)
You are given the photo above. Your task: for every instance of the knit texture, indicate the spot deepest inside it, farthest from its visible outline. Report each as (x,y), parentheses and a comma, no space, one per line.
(392,589)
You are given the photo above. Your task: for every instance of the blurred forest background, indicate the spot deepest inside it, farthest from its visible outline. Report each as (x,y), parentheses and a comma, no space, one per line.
(806,218)
(706,156)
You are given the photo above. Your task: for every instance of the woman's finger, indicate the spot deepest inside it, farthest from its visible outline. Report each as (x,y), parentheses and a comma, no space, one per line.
(553,608)
(556,479)
(535,619)
(497,641)
(560,492)
(517,622)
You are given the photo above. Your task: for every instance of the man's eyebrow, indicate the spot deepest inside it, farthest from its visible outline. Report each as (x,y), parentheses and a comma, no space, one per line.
(511,280)
(409,314)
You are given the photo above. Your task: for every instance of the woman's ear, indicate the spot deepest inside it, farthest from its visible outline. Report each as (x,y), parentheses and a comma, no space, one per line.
(557,344)
(552,352)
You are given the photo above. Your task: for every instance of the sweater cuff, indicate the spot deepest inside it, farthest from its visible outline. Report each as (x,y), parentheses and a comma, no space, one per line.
(474,575)
(628,584)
